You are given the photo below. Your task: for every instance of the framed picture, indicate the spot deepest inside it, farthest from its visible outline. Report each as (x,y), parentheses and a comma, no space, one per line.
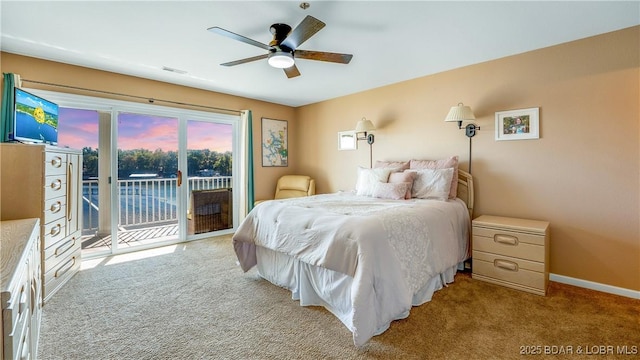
(347,140)
(275,148)
(518,124)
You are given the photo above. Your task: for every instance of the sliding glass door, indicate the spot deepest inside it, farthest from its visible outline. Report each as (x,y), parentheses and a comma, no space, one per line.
(152,175)
(81,129)
(209,174)
(148,179)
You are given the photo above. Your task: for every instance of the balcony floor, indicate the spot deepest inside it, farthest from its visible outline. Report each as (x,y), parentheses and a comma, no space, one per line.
(130,238)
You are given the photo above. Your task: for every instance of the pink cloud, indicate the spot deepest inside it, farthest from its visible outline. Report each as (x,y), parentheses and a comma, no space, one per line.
(79,128)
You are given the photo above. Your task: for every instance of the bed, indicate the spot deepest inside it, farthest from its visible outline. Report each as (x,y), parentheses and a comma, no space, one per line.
(366,259)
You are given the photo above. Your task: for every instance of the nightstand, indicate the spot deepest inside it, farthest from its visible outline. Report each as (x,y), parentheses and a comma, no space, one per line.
(511,252)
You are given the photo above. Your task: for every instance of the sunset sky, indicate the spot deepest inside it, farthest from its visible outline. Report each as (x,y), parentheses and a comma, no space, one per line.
(79,128)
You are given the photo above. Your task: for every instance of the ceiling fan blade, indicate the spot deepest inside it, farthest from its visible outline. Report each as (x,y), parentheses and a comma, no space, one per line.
(244,61)
(306,29)
(323,56)
(246,40)
(292,71)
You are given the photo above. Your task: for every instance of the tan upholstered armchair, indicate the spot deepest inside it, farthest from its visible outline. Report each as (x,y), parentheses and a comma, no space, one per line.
(290,186)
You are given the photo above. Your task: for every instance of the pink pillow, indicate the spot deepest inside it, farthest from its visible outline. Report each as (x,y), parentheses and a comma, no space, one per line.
(403,177)
(402,165)
(451,162)
(393,191)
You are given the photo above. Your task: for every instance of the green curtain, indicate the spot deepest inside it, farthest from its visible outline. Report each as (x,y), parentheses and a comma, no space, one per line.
(250,184)
(7,107)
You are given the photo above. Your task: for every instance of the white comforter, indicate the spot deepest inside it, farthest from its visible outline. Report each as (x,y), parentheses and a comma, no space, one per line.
(391,248)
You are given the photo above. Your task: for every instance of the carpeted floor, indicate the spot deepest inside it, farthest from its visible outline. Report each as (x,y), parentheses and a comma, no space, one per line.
(191,301)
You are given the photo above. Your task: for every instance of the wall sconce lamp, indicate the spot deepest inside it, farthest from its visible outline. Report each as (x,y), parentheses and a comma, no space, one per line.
(363,132)
(462,113)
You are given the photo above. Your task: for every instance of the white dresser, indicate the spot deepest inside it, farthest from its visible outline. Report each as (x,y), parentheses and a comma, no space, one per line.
(20,294)
(46,182)
(511,252)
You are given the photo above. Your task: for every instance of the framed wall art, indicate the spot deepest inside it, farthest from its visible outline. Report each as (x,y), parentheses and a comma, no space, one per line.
(518,124)
(347,140)
(275,148)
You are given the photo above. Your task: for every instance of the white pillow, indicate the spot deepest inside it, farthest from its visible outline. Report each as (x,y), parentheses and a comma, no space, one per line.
(368,178)
(432,184)
(393,191)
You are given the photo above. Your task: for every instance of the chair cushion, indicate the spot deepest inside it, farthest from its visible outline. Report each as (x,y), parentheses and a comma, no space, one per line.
(292,186)
(294,182)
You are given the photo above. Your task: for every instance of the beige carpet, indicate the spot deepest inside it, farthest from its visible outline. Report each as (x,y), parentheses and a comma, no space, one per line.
(191,301)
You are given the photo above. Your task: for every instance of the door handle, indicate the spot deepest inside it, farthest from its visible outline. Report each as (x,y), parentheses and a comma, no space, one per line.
(179,178)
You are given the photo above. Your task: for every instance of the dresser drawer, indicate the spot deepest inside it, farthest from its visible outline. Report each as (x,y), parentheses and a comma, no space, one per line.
(18,303)
(523,246)
(57,276)
(57,252)
(505,270)
(55,186)
(55,163)
(54,209)
(16,343)
(54,232)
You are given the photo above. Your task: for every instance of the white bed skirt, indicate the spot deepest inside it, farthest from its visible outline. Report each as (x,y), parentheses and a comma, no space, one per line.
(316,286)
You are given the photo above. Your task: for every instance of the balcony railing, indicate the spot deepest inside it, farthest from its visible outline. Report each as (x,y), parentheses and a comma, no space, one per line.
(144,201)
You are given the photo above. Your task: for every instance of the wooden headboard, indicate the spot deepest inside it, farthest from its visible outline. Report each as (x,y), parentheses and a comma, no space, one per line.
(465,190)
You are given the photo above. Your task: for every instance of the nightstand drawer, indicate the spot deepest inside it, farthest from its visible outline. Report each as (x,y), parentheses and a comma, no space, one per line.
(508,235)
(523,246)
(510,270)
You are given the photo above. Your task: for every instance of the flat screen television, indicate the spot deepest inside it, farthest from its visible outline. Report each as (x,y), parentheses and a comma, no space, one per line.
(36,119)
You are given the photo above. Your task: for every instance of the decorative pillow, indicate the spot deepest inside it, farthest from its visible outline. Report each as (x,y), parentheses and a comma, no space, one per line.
(451,162)
(402,165)
(367,179)
(432,184)
(403,177)
(394,191)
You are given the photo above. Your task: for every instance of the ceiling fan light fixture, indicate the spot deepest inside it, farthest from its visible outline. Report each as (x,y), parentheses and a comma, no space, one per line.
(281,60)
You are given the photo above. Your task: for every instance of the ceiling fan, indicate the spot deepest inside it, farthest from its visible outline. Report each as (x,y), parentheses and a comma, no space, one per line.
(283,49)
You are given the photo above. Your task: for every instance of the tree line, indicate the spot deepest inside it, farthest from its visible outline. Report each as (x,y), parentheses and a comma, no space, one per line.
(160,163)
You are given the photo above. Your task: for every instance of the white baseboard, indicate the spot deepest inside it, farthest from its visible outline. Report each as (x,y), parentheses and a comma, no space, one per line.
(595,286)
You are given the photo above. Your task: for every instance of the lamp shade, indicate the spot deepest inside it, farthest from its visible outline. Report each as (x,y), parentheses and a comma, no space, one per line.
(460,113)
(365,125)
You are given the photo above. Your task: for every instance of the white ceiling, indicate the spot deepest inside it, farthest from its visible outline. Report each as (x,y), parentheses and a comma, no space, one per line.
(391,41)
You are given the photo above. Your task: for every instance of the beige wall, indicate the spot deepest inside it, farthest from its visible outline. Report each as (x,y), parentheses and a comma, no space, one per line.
(582,175)
(56,73)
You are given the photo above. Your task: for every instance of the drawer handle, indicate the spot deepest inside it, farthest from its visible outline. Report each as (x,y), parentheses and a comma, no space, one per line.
(24,355)
(55,230)
(65,247)
(23,301)
(55,207)
(56,184)
(56,162)
(506,265)
(69,192)
(66,267)
(33,296)
(505,239)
